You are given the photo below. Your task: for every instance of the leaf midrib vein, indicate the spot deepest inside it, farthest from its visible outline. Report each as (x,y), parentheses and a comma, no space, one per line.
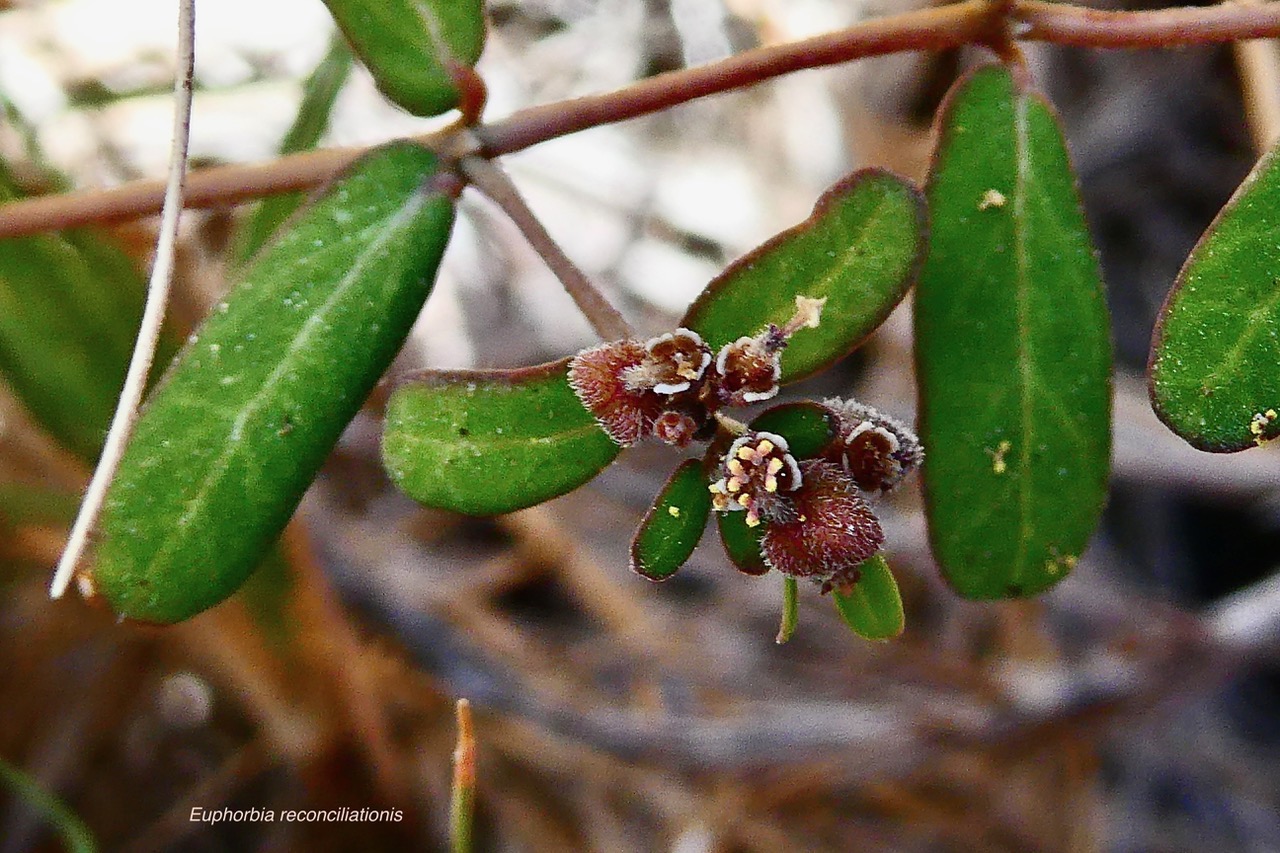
(218,468)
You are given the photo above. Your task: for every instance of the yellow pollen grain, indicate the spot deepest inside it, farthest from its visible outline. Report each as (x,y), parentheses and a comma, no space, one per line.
(765,447)
(734,485)
(771,484)
(775,465)
(745,452)
(753,520)
(998,465)
(992,198)
(735,467)
(673,511)
(1258,425)
(744,500)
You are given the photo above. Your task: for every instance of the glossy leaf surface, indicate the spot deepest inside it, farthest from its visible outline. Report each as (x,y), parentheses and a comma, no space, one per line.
(860,250)
(1214,360)
(1012,346)
(808,427)
(489,442)
(672,527)
(742,543)
(408,45)
(318,95)
(873,607)
(70,305)
(239,426)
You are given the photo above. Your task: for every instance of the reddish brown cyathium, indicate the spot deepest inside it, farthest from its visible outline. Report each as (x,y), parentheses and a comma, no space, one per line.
(671,363)
(746,371)
(626,414)
(757,475)
(878,451)
(831,530)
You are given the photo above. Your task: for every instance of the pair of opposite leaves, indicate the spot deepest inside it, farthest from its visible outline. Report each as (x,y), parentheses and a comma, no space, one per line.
(1012,348)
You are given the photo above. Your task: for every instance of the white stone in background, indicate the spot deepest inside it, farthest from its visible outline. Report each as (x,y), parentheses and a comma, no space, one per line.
(713,194)
(603,165)
(363,116)
(591,234)
(701,27)
(665,276)
(545,307)
(811,133)
(24,80)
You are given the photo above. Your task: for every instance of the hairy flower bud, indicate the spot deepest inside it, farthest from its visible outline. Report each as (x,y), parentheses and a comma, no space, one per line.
(675,428)
(637,390)
(878,451)
(829,532)
(626,414)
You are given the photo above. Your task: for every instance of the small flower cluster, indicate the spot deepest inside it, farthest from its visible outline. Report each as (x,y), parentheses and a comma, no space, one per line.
(816,522)
(812,513)
(671,386)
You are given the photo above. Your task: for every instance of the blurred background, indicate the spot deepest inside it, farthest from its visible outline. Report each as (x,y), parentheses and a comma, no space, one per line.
(1134,708)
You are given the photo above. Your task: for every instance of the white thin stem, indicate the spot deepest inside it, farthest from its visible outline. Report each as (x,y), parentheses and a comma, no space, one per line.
(144,351)
(489,178)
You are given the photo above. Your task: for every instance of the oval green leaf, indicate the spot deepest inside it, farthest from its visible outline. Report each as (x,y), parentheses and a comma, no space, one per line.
(70,305)
(239,426)
(485,442)
(860,249)
(1213,373)
(808,427)
(672,527)
(408,46)
(1012,347)
(742,543)
(873,607)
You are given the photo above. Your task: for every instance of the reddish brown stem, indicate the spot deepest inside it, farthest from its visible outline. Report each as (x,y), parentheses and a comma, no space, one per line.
(1074,25)
(969,22)
(928,29)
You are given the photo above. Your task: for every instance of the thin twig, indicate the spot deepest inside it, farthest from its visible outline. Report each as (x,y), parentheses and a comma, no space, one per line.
(1062,23)
(493,182)
(462,805)
(932,29)
(144,351)
(937,28)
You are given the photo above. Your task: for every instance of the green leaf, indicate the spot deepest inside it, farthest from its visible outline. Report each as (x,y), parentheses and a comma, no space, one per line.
(742,543)
(873,607)
(808,427)
(76,837)
(319,93)
(70,305)
(1012,348)
(672,527)
(1213,370)
(408,46)
(239,426)
(860,249)
(488,442)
